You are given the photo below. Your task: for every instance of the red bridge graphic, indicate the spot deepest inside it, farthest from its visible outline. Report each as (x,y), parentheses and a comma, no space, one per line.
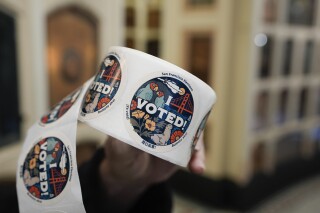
(57,181)
(183,104)
(114,73)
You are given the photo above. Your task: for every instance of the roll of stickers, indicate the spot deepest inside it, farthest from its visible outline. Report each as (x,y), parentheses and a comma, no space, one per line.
(47,177)
(139,99)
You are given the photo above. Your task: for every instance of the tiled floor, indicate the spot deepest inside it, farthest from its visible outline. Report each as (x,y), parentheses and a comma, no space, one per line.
(303,197)
(183,205)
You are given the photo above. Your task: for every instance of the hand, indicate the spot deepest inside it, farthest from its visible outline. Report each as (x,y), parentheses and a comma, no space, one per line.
(197,161)
(127,171)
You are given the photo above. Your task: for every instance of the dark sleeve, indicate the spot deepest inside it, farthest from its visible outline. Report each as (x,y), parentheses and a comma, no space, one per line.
(156,199)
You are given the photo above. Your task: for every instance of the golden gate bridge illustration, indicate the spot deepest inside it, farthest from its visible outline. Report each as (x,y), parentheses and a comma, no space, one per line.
(114,74)
(183,103)
(57,181)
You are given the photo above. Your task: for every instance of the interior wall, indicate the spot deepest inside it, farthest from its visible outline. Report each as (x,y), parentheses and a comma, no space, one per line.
(179,20)
(31,35)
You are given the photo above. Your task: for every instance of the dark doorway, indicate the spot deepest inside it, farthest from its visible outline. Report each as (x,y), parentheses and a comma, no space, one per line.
(9,107)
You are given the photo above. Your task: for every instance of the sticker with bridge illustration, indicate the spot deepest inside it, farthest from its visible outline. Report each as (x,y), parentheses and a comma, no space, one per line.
(101,93)
(61,108)
(160,112)
(46,169)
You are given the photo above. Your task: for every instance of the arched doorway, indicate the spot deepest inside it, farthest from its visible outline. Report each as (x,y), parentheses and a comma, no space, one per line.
(72,50)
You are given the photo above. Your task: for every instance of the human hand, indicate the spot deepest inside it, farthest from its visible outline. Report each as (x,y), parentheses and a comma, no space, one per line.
(127,171)
(129,163)
(197,162)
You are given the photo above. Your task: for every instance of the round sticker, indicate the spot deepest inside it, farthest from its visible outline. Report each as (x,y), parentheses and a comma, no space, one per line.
(100,94)
(46,169)
(61,108)
(160,112)
(200,130)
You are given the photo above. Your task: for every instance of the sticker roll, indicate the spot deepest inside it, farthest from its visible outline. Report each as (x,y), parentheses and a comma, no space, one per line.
(47,177)
(148,103)
(139,99)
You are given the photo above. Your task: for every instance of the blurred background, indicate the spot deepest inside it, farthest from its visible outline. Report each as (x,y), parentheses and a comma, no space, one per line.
(260,56)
